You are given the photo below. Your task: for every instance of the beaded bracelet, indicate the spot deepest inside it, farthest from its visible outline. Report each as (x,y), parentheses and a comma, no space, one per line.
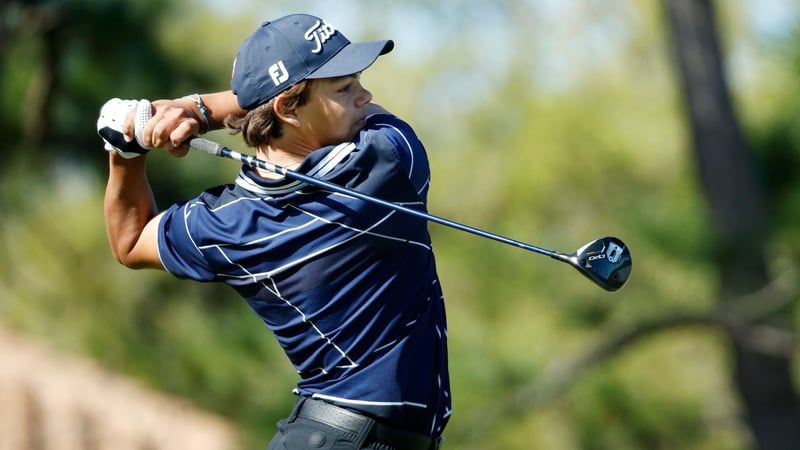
(199,102)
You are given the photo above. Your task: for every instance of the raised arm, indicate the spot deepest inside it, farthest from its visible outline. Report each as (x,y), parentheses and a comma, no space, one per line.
(176,120)
(131,214)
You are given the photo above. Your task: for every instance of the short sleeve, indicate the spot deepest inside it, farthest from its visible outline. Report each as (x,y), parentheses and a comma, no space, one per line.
(177,248)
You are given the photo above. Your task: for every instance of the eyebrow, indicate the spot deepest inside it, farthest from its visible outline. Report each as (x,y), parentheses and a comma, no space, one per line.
(346,77)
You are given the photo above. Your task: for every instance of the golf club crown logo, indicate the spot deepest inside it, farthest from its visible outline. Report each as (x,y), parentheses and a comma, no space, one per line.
(319,33)
(613,252)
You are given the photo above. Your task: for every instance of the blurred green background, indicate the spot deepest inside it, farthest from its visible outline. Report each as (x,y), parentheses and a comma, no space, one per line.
(551,122)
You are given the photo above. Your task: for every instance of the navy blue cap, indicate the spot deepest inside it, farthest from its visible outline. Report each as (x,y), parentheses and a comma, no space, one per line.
(288,50)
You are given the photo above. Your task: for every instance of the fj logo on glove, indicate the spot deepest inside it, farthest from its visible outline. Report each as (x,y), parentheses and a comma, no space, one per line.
(278,73)
(319,33)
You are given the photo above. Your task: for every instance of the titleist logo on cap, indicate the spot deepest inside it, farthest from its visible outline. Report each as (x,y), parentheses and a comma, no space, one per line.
(319,34)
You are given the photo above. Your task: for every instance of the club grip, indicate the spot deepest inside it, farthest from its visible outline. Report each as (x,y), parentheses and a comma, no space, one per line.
(205,145)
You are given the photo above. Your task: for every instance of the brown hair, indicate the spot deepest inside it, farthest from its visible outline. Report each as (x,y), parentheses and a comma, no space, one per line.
(261,124)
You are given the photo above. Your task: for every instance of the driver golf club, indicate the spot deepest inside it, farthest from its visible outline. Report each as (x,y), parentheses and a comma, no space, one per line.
(606,261)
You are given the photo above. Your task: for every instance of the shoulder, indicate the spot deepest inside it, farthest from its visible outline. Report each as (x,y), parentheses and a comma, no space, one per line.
(385,131)
(206,218)
(390,125)
(192,232)
(393,138)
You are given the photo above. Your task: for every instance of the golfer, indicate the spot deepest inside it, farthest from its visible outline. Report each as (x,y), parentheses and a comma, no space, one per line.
(348,288)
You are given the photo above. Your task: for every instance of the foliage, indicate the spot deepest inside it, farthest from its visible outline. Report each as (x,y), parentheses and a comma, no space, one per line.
(551,164)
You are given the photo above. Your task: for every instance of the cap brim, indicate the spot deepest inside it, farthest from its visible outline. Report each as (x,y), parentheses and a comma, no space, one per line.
(353,58)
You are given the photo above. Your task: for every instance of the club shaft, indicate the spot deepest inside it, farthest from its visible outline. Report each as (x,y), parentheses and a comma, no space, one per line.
(222,151)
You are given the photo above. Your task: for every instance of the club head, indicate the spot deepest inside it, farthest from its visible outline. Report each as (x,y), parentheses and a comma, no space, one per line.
(606,261)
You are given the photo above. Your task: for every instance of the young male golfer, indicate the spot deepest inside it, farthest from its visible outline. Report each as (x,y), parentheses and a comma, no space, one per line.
(348,288)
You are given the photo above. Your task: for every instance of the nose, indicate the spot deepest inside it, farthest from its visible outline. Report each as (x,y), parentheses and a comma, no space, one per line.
(364,96)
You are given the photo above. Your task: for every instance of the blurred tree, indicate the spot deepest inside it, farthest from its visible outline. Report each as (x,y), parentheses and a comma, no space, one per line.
(60,60)
(727,175)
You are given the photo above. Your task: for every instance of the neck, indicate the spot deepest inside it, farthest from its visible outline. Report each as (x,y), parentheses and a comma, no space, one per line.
(289,159)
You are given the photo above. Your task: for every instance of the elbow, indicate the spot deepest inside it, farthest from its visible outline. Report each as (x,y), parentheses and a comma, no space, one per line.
(135,247)
(124,258)
(126,262)
(135,263)
(134,260)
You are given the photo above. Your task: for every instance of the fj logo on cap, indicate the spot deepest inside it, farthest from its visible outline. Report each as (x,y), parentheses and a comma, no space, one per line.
(278,73)
(319,33)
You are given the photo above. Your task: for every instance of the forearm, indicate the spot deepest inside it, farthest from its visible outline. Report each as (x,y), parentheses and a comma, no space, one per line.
(129,206)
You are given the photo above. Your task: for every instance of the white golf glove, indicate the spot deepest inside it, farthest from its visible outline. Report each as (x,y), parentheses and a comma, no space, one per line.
(109,126)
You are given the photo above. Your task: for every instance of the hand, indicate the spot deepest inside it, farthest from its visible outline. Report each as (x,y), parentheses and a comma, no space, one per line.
(172,123)
(110,124)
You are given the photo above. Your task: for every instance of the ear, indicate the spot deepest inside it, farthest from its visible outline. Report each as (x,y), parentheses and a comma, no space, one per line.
(284,113)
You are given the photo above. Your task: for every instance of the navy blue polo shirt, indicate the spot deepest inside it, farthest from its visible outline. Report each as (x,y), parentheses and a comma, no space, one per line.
(347,287)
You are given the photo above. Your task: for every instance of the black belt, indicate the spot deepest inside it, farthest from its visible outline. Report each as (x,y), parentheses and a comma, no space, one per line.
(355,423)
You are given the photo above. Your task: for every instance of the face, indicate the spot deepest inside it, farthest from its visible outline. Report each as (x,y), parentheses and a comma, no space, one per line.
(335,111)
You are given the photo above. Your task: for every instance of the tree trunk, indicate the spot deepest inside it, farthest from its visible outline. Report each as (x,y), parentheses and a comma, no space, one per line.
(727,175)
